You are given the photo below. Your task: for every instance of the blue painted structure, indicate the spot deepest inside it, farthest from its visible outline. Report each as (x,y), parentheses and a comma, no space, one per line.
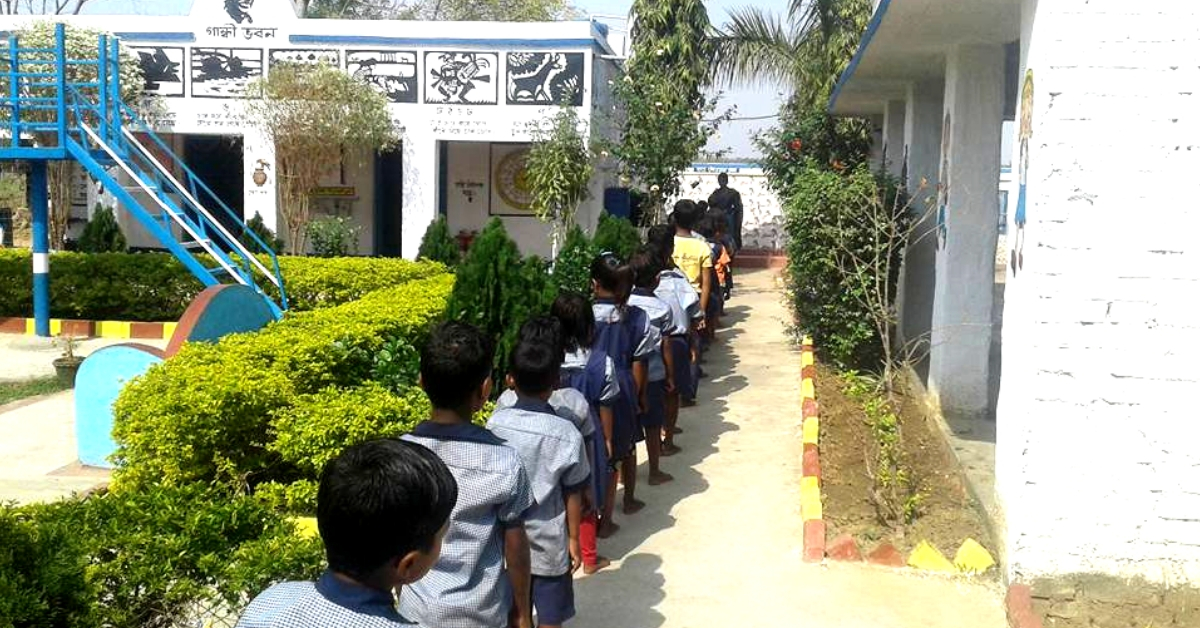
(88,121)
(101,377)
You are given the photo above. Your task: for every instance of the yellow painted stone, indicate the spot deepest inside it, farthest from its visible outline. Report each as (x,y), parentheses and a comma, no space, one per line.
(812,430)
(808,340)
(55,326)
(113,329)
(807,359)
(807,390)
(306,527)
(927,557)
(169,330)
(810,498)
(973,558)
(30,327)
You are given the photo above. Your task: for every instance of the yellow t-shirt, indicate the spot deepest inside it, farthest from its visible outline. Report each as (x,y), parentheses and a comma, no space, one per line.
(692,256)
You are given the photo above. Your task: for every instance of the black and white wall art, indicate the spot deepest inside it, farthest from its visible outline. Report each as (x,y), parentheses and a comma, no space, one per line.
(545,78)
(224,72)
(162,68)
(306,56)
(393,73)
(461,78)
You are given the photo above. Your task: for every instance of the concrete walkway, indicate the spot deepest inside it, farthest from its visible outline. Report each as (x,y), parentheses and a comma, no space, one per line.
(31,357)
(720,546)
(38,453)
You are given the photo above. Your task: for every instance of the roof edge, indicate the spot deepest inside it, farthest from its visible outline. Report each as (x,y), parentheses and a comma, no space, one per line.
(868,36)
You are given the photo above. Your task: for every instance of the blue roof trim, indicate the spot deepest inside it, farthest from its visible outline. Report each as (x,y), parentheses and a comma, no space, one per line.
(724,166)
(429,42)
(868,35)
(184,37)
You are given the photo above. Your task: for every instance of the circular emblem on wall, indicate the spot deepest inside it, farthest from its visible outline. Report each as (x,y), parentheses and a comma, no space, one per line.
(511,180)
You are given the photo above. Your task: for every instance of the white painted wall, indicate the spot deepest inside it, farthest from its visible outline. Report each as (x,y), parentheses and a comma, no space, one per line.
(1098,453)
(762,213)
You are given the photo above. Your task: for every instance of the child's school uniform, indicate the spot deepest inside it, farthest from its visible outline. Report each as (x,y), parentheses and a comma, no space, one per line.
(659,315)
(716,301)
(675,290)
(468,587)
(553,453)
(326,602)
(568,403)
(623,334)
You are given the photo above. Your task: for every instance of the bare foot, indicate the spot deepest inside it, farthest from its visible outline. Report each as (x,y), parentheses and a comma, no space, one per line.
(601,563)
(677,430)
(670,449)
(607,529)
(660,478)
(631,506)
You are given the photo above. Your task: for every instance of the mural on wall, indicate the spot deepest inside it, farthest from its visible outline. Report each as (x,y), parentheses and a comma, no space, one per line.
(1025,134)
(510,184)
(224,72)
(162,69)
(545,78)
(392,73)
(944,185)
(239,11)
(305,56)
(465,78)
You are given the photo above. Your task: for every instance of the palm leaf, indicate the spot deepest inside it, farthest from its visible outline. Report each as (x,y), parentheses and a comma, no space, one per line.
(756,46)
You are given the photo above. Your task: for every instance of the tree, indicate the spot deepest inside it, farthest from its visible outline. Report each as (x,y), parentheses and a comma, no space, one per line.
(559,169)
(350,9)
(82,44)
(41,7)
(807,51)
(663,106)
(315,115)
(102,233)
(461,10)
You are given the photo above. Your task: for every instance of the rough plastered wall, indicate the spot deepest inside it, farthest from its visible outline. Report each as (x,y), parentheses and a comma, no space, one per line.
(1098,457)
(762,211)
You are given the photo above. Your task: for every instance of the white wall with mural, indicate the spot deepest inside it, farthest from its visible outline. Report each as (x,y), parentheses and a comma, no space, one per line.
(762,215)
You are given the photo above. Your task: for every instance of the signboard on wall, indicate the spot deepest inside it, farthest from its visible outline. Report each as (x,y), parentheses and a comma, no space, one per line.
(510,188)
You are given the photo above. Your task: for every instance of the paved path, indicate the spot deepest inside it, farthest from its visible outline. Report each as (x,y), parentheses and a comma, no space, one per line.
(37,451)
(720,546)
(29,357)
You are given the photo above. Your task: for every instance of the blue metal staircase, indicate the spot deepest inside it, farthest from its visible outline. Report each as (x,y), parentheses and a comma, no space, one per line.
(57,108)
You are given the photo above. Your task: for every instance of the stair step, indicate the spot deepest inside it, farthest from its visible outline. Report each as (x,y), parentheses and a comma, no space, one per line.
(195,244)
(219,270)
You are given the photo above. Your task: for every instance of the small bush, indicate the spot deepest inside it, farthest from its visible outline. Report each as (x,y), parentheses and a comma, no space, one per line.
(314,283)
(42,574)
(256,226)
(102,233)
(438,245)
(616,235)
(573,268)
(333,237)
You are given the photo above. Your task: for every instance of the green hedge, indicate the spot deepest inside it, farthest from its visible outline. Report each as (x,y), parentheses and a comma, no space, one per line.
(230,412)
(157,287)
(151,558)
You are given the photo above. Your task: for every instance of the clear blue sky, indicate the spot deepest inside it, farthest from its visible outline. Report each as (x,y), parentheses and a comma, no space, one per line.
(759,100)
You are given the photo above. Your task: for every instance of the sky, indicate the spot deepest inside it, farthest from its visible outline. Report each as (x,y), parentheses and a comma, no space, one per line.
(734,136)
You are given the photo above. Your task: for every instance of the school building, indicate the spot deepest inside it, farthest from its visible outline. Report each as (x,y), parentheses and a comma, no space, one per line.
(1097,467)
(464,94)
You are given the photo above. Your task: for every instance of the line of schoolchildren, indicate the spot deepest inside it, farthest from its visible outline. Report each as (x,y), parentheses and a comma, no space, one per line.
(474,527)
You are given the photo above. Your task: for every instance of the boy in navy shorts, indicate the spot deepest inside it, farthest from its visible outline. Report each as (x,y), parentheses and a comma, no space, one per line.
(482,579)
(382,510)
(659,377)
(552,450)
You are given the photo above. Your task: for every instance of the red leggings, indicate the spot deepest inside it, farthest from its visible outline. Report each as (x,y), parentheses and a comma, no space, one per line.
(587,537)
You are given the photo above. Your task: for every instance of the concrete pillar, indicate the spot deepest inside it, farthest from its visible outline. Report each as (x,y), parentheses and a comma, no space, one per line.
(967,229)
(875,158)
(893,137)
(39,204)
(919,159)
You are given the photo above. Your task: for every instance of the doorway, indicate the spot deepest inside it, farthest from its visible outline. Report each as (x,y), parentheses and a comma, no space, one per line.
(389,202)
(217,161)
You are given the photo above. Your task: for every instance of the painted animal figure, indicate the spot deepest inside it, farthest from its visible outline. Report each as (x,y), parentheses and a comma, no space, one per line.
(239,10)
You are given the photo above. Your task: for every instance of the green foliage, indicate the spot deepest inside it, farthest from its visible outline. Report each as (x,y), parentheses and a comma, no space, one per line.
(812,137)
(316,116)
(497,291)
(616,235)
(484,10)
(573,268)
(256,226)
(438,245)
(157,287)
(42,567)
(559,168)
(210,413)
(102,233)
(830,217)
(895,492)
(661,96)
(333,236)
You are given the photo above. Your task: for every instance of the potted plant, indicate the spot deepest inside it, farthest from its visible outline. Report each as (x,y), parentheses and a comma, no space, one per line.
(67,365)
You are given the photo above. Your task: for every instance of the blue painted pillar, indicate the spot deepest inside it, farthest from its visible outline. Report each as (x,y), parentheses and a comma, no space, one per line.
(40,206)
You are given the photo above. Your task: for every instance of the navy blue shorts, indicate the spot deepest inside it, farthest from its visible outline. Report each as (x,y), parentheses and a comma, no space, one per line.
(554,599)
(656,407)
(681,352)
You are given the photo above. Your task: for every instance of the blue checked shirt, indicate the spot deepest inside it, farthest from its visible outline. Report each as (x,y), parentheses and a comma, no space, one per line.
(659,314)
(553,453)
(646,341)
(469,586)
(326,602)
(568,403)
(678,293)
(578,360)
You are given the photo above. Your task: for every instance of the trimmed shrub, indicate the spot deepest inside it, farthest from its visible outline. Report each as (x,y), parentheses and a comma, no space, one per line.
(438,245)
(497,291)
(259,228)
(334,236)
(616,235)
(157,287)
(208,414)
(573,268)
(42,581)
(102,233)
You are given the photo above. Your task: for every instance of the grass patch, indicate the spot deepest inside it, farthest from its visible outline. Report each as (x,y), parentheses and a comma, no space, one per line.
(14,391)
